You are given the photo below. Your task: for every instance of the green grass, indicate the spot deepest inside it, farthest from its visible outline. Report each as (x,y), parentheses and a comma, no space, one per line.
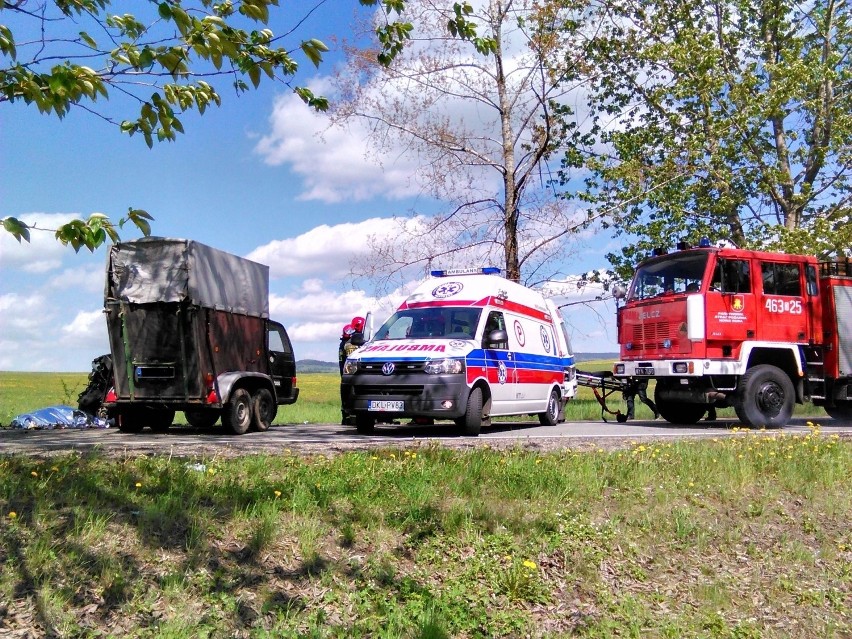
(319,398)
(743,537)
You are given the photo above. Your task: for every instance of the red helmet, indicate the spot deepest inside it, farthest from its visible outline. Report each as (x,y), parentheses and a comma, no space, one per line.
(357,323)
(347,330)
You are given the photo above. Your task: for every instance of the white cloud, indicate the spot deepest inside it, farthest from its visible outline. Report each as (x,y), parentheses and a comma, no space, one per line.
(332,161)
(325,249)
(87,327)
(84,279)
(43,252)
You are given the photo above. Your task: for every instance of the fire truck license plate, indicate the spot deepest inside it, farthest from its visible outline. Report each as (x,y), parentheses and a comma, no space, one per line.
(644,371)
(386,405)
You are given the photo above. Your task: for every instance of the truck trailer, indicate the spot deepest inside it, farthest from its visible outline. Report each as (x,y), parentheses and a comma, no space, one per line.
(189,330)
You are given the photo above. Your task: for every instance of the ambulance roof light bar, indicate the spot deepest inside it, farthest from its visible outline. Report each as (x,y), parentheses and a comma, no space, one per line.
(484,270)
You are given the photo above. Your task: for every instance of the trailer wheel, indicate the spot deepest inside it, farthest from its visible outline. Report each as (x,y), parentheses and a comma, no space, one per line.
(160,419)
(551,416)
(129,421)
(201,418)
(764,397)
(840,412)
(471,422)
(678,412)
(236,414)
(364,424)
(264,409)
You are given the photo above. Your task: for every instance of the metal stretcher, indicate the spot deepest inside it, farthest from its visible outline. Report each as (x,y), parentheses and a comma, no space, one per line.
(603,384)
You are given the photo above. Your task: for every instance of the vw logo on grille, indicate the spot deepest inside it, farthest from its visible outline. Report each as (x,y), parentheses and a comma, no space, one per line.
(387,368)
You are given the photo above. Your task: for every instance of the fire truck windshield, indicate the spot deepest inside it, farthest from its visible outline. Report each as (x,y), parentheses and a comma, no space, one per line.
(672,274)
(442,322)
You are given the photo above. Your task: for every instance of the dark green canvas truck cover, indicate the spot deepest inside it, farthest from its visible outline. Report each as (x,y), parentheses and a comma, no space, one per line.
(178,312)
(163,270)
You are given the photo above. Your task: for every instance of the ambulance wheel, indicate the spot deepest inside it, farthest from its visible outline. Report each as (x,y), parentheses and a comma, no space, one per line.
(551,416)
(236,414)
(764,397)
(201,418)
(263,410)
(471,423)
(679,412)
(841,412)
(364,424)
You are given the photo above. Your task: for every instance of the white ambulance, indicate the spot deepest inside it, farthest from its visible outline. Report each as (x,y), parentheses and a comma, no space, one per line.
(466,346)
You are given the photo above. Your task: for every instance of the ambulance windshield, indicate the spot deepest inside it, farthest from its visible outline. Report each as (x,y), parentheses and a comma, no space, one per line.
(443,322)
(673,274)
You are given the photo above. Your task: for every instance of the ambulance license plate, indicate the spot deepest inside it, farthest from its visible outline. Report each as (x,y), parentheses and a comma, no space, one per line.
(644,371)
(386,405)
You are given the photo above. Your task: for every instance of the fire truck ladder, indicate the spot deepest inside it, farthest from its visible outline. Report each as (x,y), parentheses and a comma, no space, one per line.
(603,384)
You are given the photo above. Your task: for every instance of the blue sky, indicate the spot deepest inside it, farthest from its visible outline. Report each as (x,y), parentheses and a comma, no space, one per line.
(251,177)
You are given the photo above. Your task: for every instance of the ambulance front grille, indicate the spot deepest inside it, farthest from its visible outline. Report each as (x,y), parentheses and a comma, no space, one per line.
(399,367)
(388,389)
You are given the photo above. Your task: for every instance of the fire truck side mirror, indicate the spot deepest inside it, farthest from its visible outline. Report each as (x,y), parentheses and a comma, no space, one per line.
(619,291)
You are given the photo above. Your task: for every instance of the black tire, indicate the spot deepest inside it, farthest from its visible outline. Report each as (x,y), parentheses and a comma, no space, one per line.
(765,397)
(236,414)
(679,412)
(129,421)
(471,423)
(263,409)
(551,416)
(842,412)
(160,419)
(364,423)
(201,418)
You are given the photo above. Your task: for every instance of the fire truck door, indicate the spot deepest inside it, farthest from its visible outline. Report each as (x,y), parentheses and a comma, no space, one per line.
(783,307)
(731,311)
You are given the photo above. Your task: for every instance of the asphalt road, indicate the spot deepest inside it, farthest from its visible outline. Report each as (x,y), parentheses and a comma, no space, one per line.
(331,438)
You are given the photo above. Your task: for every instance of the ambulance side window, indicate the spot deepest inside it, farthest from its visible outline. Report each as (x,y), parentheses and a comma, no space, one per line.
(495,322)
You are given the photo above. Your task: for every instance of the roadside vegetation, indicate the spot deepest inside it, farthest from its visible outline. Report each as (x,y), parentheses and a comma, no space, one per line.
(742,537)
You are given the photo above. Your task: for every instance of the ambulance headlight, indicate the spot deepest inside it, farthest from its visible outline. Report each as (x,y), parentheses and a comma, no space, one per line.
(350,366)
(444,366)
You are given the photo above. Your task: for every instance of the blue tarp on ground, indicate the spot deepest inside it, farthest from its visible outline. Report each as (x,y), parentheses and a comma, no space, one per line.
(57,417)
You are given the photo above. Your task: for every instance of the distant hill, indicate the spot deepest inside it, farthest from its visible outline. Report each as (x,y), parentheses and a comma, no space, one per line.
(318,366)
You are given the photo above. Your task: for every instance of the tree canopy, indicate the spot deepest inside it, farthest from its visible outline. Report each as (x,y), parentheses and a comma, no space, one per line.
(154,65)
(730,119)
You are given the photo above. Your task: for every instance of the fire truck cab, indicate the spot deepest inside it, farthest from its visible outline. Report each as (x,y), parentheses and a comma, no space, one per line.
(758,331)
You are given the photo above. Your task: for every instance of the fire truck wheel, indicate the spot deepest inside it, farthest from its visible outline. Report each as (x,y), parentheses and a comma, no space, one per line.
(841,412)
(471,423)
(551,416)
(201,418)
(264,409)
(364,424)
(236,415)
(764,397)
(680,412)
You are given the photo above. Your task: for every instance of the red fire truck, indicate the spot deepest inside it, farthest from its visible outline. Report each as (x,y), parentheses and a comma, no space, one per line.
(729,327)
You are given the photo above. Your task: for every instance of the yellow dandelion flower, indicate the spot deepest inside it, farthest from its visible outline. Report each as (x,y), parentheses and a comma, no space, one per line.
(530,564)
(34,474)
(54,469)
(13,514)
(138,484)
(277,493)
(413,455)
